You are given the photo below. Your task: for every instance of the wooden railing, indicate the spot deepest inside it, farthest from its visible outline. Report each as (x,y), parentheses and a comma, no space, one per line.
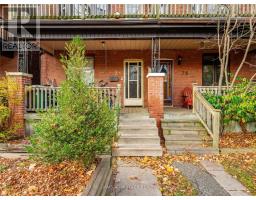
(208,115)
(41,98)
(98,11)
(212,89)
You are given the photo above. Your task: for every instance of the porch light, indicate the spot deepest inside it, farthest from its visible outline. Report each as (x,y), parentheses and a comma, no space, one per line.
(179,59)
(103,44)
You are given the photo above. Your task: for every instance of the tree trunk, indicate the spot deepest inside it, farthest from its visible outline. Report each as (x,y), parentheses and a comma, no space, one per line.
(243,127)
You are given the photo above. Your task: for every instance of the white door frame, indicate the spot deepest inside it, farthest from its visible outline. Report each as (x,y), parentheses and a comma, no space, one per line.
(135,101)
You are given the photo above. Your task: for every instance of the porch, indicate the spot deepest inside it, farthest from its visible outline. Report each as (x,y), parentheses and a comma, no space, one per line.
(123,62)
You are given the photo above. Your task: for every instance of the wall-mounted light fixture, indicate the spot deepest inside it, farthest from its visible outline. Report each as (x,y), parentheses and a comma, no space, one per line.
(103,44)
(179,60)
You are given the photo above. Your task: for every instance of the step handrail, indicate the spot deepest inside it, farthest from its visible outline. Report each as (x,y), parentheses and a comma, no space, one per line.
(208,115)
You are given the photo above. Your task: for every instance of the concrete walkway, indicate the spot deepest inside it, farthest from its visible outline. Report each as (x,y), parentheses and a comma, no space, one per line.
(210,179)
(231,185)
(205,184)
(131,180)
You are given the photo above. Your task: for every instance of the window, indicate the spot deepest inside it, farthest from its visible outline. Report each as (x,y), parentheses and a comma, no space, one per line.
(211,69)
(133,9)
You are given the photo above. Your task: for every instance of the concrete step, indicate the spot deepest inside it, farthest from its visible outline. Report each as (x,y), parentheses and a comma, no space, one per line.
(195,128)
(183,142)
(180,132)
(134,116)
(182,124)
(194,149)
(139,121)
(137,151)
(137,127)
(139,140)
(138,132)
(182,138)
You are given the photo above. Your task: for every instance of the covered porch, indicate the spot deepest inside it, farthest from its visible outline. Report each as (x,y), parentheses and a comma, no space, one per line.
(127,63)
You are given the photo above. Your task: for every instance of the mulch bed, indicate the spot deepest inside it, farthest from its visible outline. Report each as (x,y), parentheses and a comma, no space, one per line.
(26,178)
(238,140)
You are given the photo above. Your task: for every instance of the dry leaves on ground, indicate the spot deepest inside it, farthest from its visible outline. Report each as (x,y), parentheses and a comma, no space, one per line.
(23,177)
(170,180)
(238,140)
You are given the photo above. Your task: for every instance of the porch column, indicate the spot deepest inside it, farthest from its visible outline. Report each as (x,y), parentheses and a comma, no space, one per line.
(17,104)
(156,96)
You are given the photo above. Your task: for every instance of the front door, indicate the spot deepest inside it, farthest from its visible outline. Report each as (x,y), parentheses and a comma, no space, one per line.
(166,67)
(133,83)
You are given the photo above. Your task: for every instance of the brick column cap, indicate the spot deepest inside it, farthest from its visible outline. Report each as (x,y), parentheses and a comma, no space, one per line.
(18,74)
(155,75)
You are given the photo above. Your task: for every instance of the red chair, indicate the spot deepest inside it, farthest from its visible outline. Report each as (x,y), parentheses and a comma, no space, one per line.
(188,97)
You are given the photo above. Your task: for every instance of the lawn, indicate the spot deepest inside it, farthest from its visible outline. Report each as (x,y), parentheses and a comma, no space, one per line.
(20,177)
(242,167)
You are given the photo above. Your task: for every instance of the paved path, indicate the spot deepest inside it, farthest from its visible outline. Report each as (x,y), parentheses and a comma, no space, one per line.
(131,180)
(231,185)
(210,179)
(205,184)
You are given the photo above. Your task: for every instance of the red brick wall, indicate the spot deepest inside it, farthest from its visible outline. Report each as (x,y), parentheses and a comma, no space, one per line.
(18,108)
(188,72)
(155,96)
(246,71)
(7,64)
(111,63)
(51,69)
(115,66)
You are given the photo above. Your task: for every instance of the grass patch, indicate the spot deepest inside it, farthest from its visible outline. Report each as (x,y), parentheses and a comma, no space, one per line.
(246,177)
(3,168)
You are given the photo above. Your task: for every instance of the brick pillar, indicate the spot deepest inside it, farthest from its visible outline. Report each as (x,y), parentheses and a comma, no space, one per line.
(18,108)
(44,68)
(156,95)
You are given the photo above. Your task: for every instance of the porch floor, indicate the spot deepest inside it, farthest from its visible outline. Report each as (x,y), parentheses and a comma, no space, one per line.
(177,113)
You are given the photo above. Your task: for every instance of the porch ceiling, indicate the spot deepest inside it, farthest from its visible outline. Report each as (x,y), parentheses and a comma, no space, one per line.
(128,44)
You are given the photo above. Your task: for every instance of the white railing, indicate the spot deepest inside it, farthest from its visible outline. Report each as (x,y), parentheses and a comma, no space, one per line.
(208,115)
(212,89)
(42,98)
(95,11)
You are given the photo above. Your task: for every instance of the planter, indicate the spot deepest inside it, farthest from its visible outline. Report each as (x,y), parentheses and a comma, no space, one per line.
(99,182)
(234,127)
(237,150)
(30,118)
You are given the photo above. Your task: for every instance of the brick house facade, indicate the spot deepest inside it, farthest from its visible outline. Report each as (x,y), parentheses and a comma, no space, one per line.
(188,72)
(125,44)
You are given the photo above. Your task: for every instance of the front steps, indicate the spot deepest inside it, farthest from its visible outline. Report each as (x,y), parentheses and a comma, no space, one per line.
(185,133)
(138,136)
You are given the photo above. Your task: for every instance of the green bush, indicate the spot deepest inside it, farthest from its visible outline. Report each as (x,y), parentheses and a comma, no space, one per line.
(81,127)
(238,104)
(8,96)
